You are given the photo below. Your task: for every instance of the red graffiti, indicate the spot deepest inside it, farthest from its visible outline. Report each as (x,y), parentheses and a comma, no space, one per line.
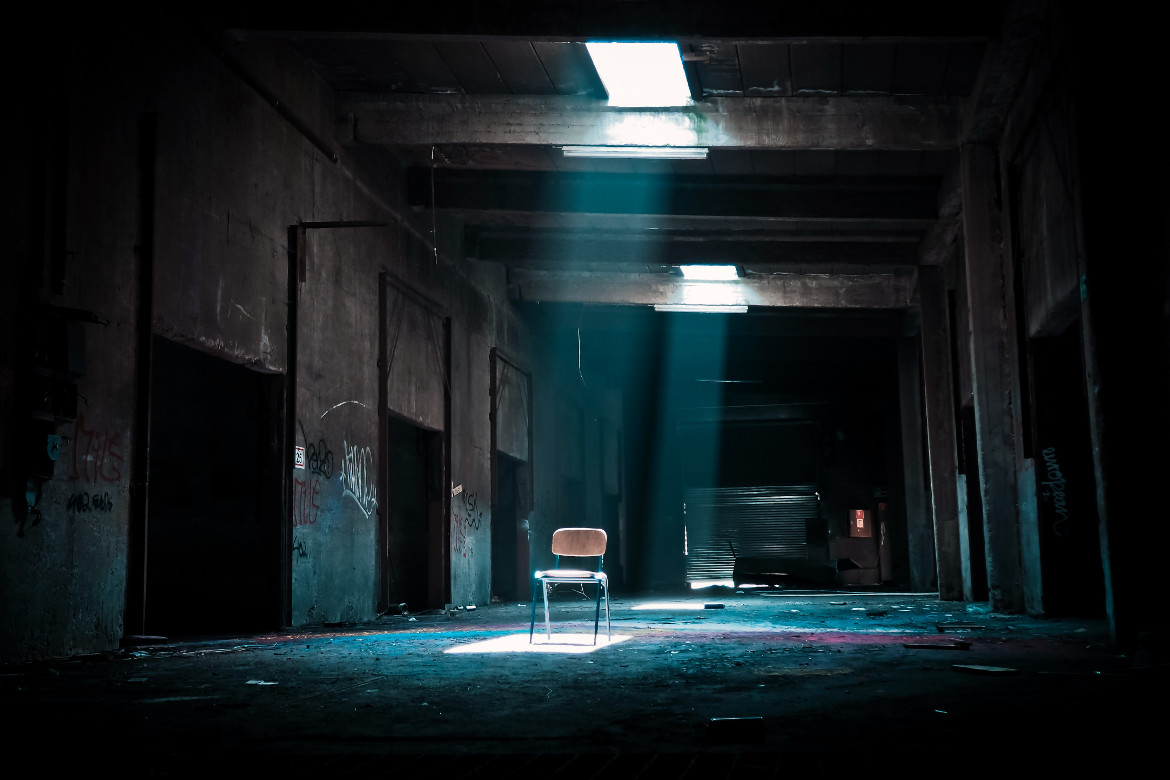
(97,455)
(305,506)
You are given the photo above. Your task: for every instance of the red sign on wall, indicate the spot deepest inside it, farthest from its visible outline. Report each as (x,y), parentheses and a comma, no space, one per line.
(860,523)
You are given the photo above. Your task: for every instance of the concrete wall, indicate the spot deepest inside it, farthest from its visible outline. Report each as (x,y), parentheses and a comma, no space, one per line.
(236,173)
(63,561)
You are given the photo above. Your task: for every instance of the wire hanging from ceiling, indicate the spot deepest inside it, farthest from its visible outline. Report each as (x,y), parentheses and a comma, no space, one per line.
(434,222)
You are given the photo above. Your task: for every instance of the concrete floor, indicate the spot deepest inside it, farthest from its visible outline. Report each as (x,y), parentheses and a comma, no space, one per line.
(774,683)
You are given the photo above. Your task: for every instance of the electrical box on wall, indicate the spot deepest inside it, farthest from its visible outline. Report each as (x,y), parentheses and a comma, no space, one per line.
(860,523)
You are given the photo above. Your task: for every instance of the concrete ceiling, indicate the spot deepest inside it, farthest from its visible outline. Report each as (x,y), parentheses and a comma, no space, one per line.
(832,131)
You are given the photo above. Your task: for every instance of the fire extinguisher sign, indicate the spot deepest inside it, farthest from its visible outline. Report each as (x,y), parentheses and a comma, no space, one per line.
(859,524)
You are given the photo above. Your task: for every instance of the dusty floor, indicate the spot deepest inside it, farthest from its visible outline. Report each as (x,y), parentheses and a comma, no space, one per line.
(775,683)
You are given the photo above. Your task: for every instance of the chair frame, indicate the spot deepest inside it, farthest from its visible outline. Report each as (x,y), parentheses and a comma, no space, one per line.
(574,543)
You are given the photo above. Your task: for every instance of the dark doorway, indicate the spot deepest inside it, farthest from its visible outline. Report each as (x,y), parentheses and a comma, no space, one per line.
(509,531)
(413,571)
(213,527)
(1070,551)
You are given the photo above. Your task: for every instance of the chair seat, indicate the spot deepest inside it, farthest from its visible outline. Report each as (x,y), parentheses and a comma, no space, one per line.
(570,574)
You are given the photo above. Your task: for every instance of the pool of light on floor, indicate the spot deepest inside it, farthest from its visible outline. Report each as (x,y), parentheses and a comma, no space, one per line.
(541,643)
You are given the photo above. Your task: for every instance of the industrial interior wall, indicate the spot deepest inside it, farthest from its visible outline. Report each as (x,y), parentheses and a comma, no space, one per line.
(234,177)
(562,462)
(472,336)
(335,495)
(67,469)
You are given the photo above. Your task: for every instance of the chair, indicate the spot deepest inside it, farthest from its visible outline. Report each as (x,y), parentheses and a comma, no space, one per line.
(574,543)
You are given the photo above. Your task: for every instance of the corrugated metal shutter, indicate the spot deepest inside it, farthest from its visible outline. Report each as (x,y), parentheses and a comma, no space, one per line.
(766,521)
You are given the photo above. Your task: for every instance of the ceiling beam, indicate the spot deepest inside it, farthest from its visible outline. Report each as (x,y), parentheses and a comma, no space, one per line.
(817,291)
(631,194)
(537,19)
(885,123)
(567,250)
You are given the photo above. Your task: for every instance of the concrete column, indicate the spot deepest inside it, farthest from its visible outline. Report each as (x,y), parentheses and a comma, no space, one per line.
(1125,325)
(940,427)
(994,374)
(919,529)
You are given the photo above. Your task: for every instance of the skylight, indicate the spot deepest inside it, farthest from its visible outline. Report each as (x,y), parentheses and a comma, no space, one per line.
(637,152)
(710,273)
(641,73)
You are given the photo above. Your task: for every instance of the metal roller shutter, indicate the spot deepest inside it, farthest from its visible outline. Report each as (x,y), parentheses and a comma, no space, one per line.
(764,521)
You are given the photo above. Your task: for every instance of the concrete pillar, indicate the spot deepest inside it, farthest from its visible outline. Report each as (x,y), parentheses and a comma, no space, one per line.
(919,529)
(940,427)
(995,378)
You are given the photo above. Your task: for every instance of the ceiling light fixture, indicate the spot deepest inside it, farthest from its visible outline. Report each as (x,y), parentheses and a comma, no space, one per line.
(709,273)
(706,308)
(637,152)
(641,73)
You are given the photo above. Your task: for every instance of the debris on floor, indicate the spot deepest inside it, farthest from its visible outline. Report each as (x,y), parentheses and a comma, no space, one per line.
(981,669)
(957,645)
(736,729)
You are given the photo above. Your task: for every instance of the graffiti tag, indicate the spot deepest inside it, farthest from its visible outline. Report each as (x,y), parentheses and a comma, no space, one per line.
(1054,490)
(89,502)
(300,548)
(305,506)
(319,458)
(356,469)
(97,455)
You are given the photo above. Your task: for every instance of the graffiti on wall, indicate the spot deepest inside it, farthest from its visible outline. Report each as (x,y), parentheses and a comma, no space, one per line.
(305,501)
(1054,491)
(309,471)
(319,459)
(300,547)
(97,455)
(315,470)
(458,536)
(357,470)
(83,503)
(466,517)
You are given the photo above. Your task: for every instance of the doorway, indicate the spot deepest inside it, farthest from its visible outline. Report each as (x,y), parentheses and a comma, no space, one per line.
(511,431)
(414,570)
(213,524)
(510,533)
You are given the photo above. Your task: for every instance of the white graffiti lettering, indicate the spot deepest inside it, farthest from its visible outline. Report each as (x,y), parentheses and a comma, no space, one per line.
(1055,491)
(356,468)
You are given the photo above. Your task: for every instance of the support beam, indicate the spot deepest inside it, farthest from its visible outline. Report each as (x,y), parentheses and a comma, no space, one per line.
(821,291)
(891,123)
(571,250)
(995,376)
(646,19)
(471,193)
(939,242)
(919,530)
(940,426)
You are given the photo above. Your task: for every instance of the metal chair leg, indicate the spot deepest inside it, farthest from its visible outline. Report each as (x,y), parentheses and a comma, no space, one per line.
(608,630)
(532,622)
(547,622)
(597,612)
